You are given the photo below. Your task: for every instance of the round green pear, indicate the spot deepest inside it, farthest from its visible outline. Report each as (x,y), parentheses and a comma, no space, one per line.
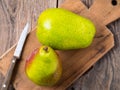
(43,66)
(64,30)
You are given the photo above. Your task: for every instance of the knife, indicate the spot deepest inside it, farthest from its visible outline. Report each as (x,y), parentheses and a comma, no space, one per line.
(16,56)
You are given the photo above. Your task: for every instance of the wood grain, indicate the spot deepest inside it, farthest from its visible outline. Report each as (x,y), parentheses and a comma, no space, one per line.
(79,58)
(106,10)
(84,61)
(14,15)
(104,75)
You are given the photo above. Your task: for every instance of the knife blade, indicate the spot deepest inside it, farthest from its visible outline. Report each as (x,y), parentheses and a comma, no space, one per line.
(16,56)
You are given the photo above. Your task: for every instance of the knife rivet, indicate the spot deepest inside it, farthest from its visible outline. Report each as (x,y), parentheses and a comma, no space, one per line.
(13,61)
(4,85)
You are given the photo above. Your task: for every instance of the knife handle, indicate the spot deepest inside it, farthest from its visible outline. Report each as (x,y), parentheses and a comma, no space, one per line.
(8,76)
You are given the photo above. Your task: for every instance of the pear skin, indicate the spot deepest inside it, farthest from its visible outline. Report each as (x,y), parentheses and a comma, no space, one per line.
(43,66)
(64,30)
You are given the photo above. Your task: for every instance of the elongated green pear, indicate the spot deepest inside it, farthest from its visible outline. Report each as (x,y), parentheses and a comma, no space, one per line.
(43,67)
(62,29)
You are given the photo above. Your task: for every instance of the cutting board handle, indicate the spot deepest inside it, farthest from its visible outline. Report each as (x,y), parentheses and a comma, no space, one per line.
(107,10)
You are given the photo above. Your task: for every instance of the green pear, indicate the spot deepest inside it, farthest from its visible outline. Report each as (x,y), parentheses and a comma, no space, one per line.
(43,66)
(64,30)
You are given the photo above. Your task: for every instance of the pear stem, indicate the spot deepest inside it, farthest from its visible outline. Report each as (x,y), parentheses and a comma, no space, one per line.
(46,49)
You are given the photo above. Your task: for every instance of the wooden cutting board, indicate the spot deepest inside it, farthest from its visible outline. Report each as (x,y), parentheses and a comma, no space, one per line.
(75,62)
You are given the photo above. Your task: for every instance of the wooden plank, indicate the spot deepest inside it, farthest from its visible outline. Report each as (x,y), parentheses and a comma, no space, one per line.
(60,2)
(79,60)
(100,67)
(14,15)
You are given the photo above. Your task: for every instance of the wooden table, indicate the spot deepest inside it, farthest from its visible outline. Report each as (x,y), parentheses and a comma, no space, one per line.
(104,75)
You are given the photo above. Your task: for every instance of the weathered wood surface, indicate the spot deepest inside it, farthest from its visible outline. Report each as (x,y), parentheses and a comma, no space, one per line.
(103,75)
(13,17)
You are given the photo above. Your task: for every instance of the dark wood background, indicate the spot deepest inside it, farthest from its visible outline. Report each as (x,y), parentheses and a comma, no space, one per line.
(104,75)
